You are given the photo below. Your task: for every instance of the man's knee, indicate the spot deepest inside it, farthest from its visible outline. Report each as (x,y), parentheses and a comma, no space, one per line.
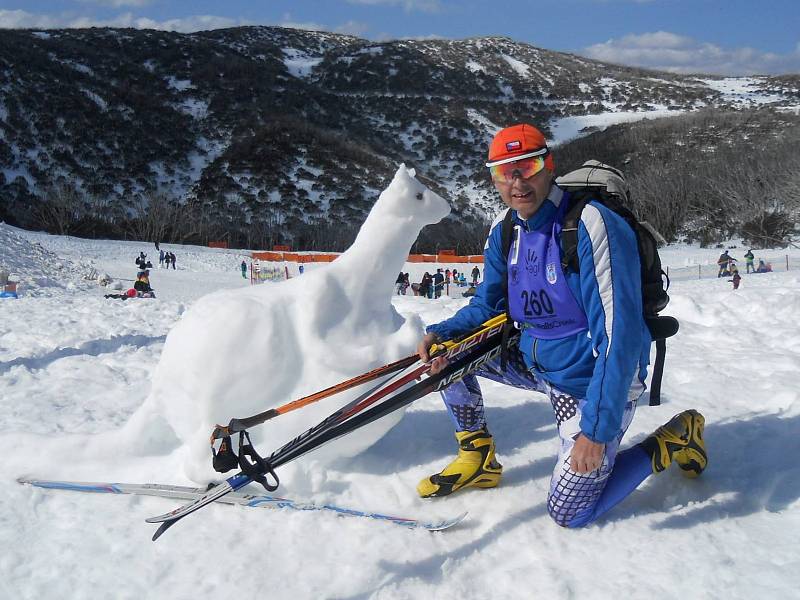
(565,516)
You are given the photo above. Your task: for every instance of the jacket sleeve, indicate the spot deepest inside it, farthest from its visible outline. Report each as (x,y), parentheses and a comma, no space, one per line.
(489,299)
(611,292)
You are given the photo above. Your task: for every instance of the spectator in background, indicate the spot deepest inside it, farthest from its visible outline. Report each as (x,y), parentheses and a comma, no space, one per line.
(400,284)
(142,262)
(426,285)
(161,259)
(244,270)
(438,284)
(723,261)
(301,269)
(447,276)
(749,258)
(142,285)
(172,258)
(736,277)
(475,275)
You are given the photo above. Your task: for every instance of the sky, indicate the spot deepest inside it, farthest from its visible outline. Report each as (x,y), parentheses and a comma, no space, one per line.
(726,37)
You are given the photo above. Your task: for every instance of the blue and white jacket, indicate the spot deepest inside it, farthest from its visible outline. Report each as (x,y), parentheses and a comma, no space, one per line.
(598,365)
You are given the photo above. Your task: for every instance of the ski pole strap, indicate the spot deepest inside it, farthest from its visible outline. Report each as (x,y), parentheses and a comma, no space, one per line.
(506,235)
(224,459)
(658,371)
(254,466)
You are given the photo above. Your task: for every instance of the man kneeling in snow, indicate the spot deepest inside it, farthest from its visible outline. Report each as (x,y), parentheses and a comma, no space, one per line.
(584,344)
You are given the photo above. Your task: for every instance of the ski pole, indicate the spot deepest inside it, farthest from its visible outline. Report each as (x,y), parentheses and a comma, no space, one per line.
(478,349)
(337,425)
(238,425)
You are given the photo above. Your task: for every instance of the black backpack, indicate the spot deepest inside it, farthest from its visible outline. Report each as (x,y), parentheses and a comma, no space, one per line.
(606,185)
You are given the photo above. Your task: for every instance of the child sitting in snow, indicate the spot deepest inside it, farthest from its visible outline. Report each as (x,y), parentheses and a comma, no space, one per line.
(142,285)
(736,277)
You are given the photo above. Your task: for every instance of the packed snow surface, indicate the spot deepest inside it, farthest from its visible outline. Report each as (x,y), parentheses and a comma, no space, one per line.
(79,373)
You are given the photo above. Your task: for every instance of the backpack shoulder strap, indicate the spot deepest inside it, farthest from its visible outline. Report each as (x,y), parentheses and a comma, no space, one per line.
(569,229)
(506,233)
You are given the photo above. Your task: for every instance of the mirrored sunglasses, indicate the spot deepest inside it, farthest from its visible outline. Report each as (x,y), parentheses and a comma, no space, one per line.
(525,168)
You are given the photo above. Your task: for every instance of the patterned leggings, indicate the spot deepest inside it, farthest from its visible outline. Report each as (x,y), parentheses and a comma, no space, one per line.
(574,499)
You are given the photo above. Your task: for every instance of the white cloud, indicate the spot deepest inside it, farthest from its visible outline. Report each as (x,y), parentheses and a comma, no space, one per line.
(675,53)
(118,3)
(427,6)
(355,28)
(19,19)
(289,23)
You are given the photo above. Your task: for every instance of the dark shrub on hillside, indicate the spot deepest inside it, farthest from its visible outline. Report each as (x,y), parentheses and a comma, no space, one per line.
(769,230)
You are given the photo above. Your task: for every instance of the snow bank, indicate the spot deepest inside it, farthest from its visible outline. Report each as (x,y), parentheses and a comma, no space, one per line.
(35,268)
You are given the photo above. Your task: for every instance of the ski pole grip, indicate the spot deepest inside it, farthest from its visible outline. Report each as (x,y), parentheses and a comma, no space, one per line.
(220,431)
(436,349)
(237,425)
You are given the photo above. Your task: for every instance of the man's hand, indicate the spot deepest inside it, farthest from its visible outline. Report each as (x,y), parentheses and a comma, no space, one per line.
(586,455)
(422,349)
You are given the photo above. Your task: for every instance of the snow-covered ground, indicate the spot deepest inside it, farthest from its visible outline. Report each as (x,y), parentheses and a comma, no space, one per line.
(74,367)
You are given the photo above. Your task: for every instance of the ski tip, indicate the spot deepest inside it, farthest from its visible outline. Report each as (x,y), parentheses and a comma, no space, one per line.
(158,519)
(162,528)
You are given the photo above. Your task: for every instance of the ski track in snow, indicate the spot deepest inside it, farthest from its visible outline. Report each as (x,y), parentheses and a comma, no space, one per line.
(74,366)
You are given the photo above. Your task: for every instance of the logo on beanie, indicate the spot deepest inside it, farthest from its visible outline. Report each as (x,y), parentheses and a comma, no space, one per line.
(511,146)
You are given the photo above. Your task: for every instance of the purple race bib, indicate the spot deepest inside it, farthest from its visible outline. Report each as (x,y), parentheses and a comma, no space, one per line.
(538,295)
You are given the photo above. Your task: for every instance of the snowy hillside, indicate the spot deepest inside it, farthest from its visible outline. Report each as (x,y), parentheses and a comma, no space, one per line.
(75,366)
(252,133)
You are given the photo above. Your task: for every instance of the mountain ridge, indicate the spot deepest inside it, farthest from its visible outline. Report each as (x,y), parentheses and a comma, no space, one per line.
(269,130)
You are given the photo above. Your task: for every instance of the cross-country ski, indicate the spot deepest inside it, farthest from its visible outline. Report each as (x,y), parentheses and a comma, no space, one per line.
(179,492)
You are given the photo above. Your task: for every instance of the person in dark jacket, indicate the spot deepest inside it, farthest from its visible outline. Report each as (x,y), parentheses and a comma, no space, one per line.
(736,277)
(724,261)
(142,285)
(426,285)
(438,283)
(400,283)
(584,344)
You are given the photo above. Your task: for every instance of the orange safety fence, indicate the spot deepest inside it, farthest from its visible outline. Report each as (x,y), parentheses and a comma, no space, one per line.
(452,258)
(268,256)
(293,257)
(442,257)
(422,258)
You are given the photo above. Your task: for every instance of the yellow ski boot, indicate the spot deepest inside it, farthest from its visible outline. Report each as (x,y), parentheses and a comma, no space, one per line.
(475,466)
(680,439)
